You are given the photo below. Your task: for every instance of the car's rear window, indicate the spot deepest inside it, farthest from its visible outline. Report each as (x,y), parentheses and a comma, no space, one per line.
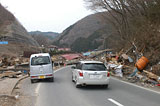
(40,60)
(94,67)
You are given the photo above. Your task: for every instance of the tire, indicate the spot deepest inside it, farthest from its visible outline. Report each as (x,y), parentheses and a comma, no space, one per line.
(105,86)
(72,79)
(51,79)
(32,81)
(77,85)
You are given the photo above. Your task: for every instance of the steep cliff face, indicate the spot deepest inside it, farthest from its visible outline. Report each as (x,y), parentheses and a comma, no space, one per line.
(12,31)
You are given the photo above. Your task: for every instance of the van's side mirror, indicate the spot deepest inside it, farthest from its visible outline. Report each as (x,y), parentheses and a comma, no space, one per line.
(73,67)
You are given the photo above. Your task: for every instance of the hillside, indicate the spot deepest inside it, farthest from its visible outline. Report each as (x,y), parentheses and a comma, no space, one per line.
(12,31)
(44,38)
(49,35)
(119,30)
(86,34)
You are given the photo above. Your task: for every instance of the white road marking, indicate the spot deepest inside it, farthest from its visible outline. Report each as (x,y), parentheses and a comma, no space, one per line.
(115,102)
(60,69)
(38,87)
(136,86)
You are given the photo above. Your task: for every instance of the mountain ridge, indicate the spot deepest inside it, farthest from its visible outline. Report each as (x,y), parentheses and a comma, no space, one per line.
(86,34)
(44,38)
(51,35)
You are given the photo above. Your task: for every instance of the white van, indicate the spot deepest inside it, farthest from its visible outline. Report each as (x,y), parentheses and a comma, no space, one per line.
(41,67)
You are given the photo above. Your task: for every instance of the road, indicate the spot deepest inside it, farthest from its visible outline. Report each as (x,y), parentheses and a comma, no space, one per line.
(64,93)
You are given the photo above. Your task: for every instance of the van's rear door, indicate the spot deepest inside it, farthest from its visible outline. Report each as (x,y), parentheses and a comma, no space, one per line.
(41,65)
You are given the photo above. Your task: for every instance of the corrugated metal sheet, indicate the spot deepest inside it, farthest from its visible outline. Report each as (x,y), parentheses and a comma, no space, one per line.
(70,56)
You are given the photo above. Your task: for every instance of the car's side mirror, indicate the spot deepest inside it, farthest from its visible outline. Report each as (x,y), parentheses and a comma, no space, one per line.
(73,67)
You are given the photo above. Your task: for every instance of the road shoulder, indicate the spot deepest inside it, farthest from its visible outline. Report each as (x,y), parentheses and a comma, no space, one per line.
(139,85)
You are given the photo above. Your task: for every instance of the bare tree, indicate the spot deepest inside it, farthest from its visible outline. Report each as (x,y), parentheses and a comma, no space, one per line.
(135,21)
(122,12)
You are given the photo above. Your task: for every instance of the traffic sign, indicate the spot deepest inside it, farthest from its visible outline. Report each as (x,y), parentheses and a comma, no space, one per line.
(3,42)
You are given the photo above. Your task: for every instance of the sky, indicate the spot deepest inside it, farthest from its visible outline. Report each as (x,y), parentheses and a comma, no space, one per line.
(47,15)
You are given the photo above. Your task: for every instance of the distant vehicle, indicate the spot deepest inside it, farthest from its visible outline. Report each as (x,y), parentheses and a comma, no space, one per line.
(90,73)
(41,67)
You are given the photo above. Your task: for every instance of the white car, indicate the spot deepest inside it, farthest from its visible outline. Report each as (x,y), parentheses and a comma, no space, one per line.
(90,73)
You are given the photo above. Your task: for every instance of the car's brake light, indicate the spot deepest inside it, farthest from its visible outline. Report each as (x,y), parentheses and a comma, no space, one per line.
(108,74)
(81,74)
(49,75)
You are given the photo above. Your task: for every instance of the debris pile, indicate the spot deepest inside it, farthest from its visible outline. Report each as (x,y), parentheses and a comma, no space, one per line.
(12,61)
(10,74)
(134,67)
(13,67)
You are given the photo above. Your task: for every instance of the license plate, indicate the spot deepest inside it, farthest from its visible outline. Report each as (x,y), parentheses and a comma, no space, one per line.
(95,76)
(41,77)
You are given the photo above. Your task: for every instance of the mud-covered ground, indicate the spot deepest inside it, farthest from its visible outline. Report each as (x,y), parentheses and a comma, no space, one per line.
(7,101)
(26,92)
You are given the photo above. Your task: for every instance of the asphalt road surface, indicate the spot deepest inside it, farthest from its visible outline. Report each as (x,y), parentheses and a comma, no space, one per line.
(62,92)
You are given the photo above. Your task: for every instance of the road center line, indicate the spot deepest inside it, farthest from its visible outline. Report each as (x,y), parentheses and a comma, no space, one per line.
(115,102)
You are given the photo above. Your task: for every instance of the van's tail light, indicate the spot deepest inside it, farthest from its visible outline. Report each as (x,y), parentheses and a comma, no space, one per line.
(33,76)
(81,74)
(108,74)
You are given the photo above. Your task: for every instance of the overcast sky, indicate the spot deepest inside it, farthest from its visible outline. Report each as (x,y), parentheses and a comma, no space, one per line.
(47,15)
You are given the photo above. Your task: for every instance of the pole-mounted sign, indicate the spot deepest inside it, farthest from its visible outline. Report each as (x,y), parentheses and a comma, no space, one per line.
(3,42)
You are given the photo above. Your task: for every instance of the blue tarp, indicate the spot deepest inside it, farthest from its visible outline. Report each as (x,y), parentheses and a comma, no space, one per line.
(86,54)
(130,59)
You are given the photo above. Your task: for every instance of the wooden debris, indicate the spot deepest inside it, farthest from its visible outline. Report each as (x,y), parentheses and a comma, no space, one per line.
(151,75)
(10,74)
